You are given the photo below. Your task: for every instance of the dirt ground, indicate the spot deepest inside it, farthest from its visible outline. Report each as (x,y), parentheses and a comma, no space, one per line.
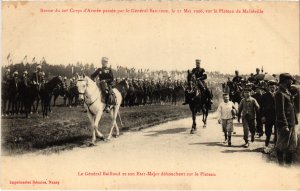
(165,156)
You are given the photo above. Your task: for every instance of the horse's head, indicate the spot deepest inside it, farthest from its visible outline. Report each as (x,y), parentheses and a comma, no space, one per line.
(81,84)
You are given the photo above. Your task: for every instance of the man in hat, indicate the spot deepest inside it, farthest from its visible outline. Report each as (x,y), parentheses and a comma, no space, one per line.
(105,74)
(248,109)
(258,97)
(36,77)
(226,113)
(268,111)
(6,77)
(25,78)
(286,120)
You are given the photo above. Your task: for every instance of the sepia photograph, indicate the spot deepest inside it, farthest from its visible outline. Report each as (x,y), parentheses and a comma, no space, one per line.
(164,95)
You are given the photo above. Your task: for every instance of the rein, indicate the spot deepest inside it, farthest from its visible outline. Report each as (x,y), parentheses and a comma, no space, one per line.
(86,97)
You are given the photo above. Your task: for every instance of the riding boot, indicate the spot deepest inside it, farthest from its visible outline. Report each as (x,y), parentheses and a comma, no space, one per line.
(186,101)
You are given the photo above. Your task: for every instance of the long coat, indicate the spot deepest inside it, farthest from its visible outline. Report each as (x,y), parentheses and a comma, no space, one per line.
(285,117)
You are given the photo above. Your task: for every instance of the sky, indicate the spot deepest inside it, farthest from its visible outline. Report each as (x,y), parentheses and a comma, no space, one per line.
(224,42)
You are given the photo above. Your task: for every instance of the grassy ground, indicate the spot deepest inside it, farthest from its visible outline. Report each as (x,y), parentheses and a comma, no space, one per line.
(69,127)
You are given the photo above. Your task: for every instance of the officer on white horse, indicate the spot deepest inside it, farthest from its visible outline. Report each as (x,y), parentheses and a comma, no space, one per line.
(105,74)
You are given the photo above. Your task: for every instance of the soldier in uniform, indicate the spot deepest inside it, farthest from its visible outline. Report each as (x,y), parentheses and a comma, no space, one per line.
(37,76)
(258,97)
(105,73)
(236,79)
(7,76)
(286,120)
(200,77)
(268,111)
(25,78)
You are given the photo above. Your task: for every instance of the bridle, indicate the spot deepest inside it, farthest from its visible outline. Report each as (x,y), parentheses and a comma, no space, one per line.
(86,97)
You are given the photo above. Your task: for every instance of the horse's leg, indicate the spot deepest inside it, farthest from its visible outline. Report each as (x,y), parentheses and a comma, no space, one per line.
(204,116)
(96,124)
(93,128)
(114,113)
(194,121)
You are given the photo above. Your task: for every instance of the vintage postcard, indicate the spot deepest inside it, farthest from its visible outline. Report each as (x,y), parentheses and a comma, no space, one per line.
(150,95)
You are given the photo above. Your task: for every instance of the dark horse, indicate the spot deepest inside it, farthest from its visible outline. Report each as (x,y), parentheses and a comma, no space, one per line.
(28,94)
(46,92)
(199,103)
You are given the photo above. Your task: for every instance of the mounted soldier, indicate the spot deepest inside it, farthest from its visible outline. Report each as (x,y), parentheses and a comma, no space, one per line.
(200,77)
(37,77)
(105,74)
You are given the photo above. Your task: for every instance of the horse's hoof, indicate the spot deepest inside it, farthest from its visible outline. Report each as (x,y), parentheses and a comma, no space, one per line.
(102,139)
(91,144)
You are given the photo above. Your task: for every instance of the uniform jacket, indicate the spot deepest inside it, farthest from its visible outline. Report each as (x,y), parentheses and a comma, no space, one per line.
(268,106)
(236,79)
(104,74)
(37,77)
(248,107)
(199,73)
(285,110)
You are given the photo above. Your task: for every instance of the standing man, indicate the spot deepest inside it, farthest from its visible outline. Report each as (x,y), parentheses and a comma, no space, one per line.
(248,108)
(268,112)
(286,120)
(226,113)
(105,74)
(258,97)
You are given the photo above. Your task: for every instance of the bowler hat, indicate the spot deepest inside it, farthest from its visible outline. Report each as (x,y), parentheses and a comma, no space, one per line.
(286,76)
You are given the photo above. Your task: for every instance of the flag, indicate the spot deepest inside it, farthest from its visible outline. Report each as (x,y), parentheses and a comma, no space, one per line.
(33,60)
(25,60)
(72,69)
(8,56)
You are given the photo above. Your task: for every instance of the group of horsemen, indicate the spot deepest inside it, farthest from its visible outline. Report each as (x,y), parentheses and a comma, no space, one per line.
(195,82)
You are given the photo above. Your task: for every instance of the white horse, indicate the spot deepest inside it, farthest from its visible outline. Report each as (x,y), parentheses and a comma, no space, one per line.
(93,102)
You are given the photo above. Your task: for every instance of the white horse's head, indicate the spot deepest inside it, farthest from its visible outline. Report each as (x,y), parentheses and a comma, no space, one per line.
(82,84)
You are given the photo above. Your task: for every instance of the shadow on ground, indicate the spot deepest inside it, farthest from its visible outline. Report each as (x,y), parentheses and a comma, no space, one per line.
(167,131)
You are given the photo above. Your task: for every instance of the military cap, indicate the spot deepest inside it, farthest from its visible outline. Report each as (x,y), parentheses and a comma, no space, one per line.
(247,89)
(105,59)
(16,72)
(272,82)
(39,66)
(7,70)
(65,78)
(286,76)
(198,61)
(25,72)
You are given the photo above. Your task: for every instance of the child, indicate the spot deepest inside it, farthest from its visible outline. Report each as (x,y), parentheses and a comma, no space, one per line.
(248,108)
(226,113)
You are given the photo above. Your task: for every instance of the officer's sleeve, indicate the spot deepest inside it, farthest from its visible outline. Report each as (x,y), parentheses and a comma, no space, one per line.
(94,75)
(280,114)
(111,75)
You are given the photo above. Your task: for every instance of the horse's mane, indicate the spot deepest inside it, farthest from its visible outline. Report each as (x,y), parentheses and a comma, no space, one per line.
(91,83)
